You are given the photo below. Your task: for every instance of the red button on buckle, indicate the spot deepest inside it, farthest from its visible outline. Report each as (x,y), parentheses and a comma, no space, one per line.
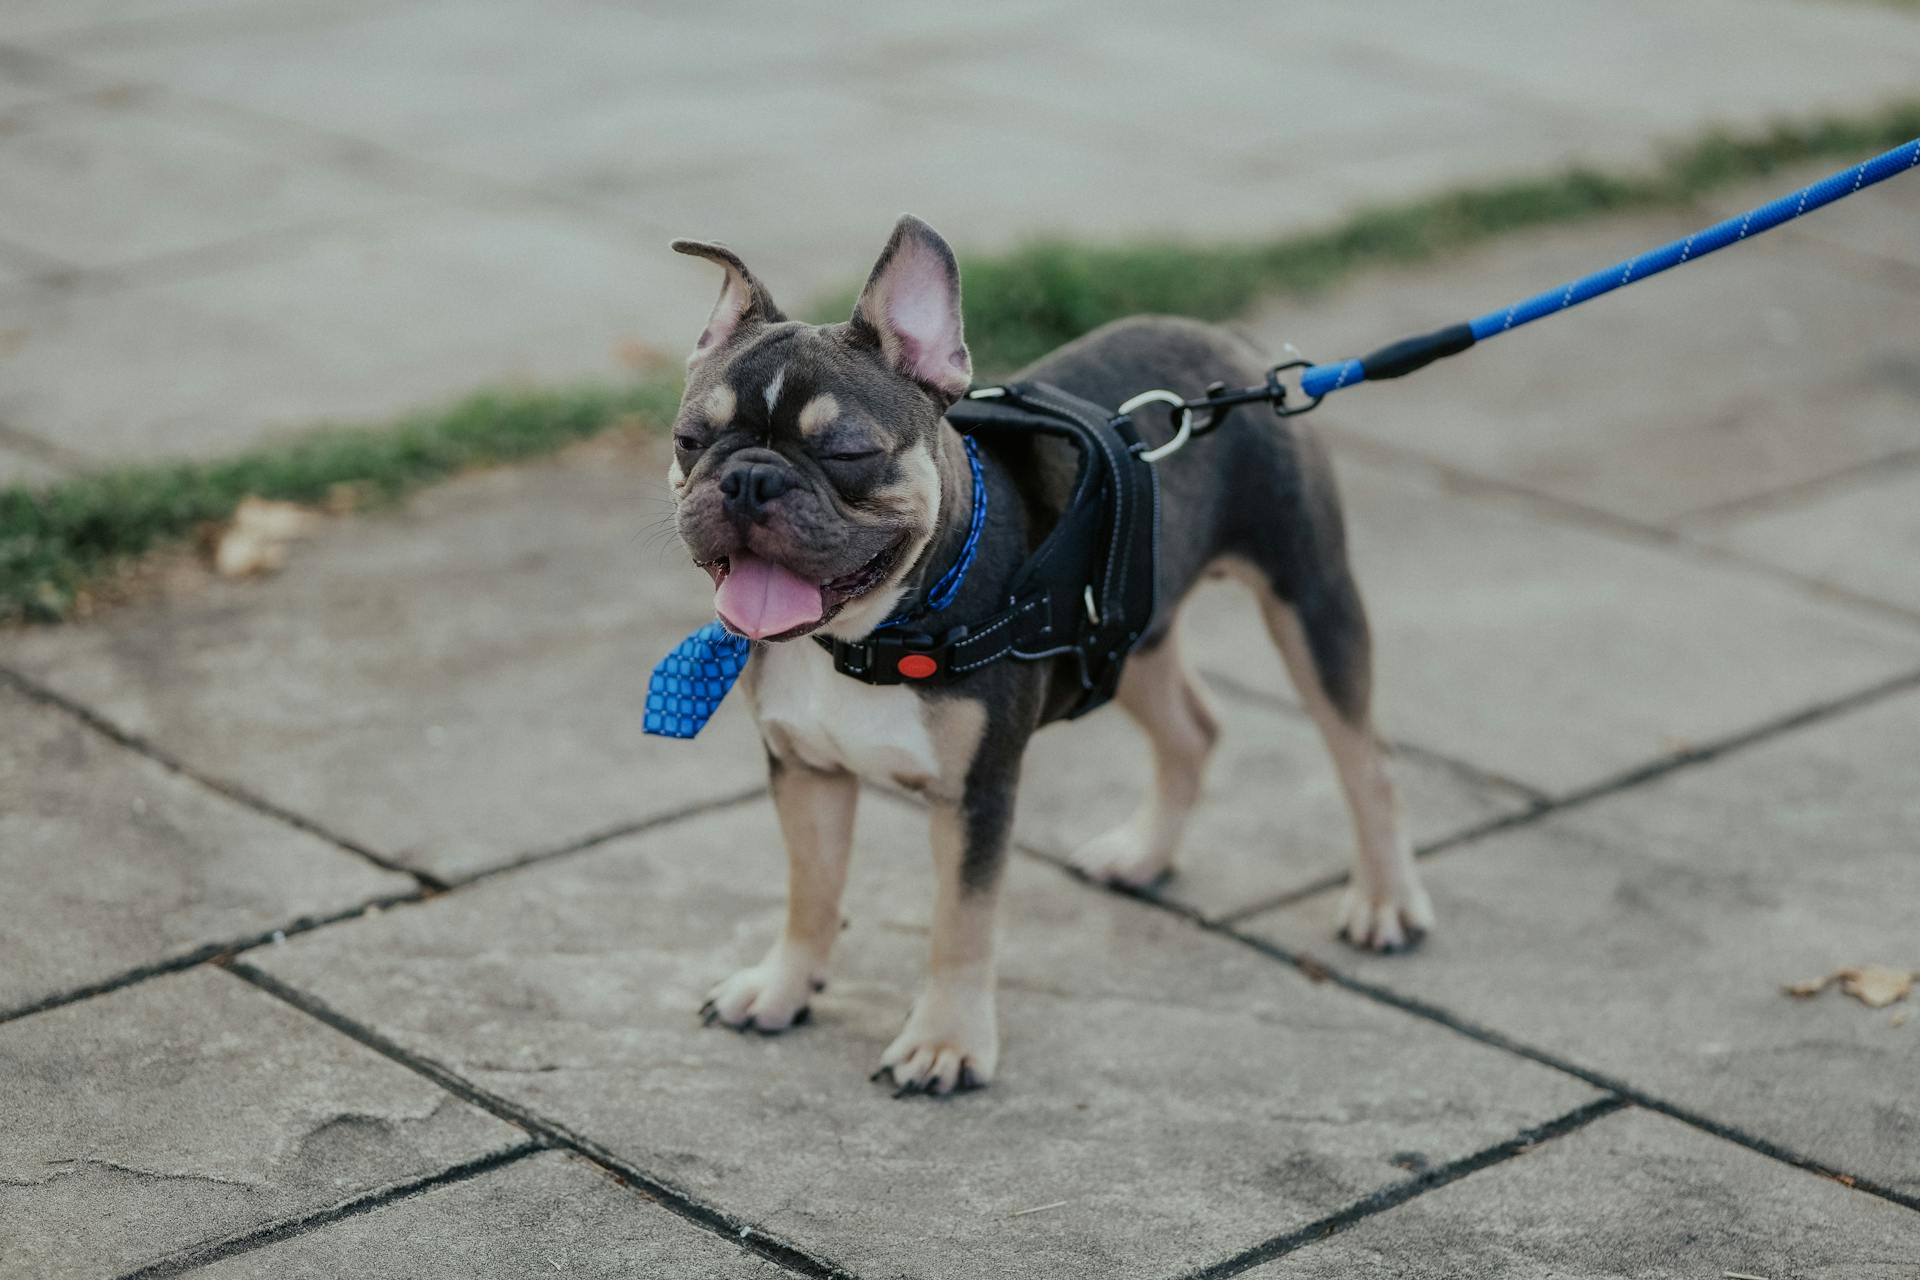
(916,666)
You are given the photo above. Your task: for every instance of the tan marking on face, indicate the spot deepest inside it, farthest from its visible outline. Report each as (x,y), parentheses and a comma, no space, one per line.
(915,500)
(676,476)
(817,413)
(719,405)
(916,495)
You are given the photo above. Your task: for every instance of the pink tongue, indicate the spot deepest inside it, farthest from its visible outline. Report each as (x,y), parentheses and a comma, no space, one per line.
(758,598)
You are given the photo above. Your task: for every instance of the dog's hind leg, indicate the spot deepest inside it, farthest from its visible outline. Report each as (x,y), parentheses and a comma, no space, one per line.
(816,818)
(1164,699)
(1323,638)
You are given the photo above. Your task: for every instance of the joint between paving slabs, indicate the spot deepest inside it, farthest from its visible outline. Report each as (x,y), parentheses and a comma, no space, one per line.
(233,791)
(1677,541)
(1397,1194)
(430,887)
(1626,780)
(207,953)
(550,1132)
(1320,972)
(201,1255)
(1315,970)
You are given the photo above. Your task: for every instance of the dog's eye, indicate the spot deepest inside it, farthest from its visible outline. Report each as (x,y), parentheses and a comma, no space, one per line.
(688,444)
(852,455)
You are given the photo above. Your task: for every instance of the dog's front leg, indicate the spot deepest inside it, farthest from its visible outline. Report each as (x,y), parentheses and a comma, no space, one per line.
(952,1038)
(816,820)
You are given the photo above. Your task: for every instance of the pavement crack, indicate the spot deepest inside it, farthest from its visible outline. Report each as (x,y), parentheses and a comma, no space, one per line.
(1399,1193)
(147,1175)
(548,1132)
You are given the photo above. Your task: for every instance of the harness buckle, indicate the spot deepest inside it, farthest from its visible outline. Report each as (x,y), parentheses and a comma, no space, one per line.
(1178,406)
(902,657)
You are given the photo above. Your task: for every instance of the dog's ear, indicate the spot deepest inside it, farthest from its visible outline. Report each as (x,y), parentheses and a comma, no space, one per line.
(744,301)
(911,306)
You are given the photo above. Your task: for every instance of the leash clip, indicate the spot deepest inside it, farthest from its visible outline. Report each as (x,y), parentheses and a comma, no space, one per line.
(1277,390)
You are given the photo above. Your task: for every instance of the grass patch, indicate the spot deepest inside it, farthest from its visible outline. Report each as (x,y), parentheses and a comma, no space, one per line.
(1023,304)
(55,540)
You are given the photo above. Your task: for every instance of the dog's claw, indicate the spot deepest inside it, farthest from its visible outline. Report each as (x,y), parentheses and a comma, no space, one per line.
(966,1081)
(908,1090)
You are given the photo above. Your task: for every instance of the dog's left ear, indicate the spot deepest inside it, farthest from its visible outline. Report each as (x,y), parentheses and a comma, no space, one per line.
(911,305)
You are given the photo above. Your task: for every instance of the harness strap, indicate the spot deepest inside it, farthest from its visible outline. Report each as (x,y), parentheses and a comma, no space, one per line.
(1087,592)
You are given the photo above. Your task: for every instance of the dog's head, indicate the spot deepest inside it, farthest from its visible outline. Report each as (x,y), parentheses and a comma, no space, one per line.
(808,458)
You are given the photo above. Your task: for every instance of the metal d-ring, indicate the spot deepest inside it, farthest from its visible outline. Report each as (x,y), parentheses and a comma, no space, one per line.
(1180,437)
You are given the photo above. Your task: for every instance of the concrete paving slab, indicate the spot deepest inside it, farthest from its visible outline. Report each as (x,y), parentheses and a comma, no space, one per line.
(572,989)
(1649,936)
(1551,653)
(1272,819)
(56,24)
(1768,365)
(1634,1194)
(507,68)
(27,78)
(608,115)
(1863,536)
(453,685)
(115,179)
(359,322)
(20,264)
(548,1214)
(113,862)
(192,1107)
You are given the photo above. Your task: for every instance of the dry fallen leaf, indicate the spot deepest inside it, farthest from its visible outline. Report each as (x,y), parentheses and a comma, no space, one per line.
(1873,985)
(255,540)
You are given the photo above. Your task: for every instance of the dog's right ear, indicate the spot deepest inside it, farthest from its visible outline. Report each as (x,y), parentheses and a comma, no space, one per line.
(744,301)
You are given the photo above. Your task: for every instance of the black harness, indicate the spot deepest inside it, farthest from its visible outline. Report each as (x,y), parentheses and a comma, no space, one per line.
(1085,594)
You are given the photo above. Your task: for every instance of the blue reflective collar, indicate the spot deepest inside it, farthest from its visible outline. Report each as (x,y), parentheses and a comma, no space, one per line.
(941,594)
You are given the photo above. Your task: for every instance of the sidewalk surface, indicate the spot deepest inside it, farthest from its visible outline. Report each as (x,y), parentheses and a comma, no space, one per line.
(351,927)
(222,220)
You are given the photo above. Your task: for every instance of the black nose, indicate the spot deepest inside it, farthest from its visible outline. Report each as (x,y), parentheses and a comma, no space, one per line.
(751,487)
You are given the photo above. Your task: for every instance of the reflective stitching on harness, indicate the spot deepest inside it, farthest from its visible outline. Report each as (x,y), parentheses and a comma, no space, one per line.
(1004,650)
(1098,431)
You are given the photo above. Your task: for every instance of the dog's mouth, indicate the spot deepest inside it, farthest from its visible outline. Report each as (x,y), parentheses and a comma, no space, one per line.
(762,600)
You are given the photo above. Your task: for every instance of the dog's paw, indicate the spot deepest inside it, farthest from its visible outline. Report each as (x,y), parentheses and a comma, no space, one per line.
(951,1043)
(770,997)
(1126,857)
(1394,922)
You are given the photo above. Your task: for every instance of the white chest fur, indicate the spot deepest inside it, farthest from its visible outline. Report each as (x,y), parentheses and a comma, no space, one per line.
(833,721)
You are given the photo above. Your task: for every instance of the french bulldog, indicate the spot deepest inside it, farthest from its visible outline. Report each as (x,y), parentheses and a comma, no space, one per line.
(815,478)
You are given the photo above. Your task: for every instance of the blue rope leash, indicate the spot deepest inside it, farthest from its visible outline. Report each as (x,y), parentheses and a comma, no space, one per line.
(1413,353)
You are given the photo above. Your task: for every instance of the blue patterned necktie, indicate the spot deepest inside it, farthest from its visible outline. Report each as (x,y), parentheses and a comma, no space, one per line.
(686,688)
